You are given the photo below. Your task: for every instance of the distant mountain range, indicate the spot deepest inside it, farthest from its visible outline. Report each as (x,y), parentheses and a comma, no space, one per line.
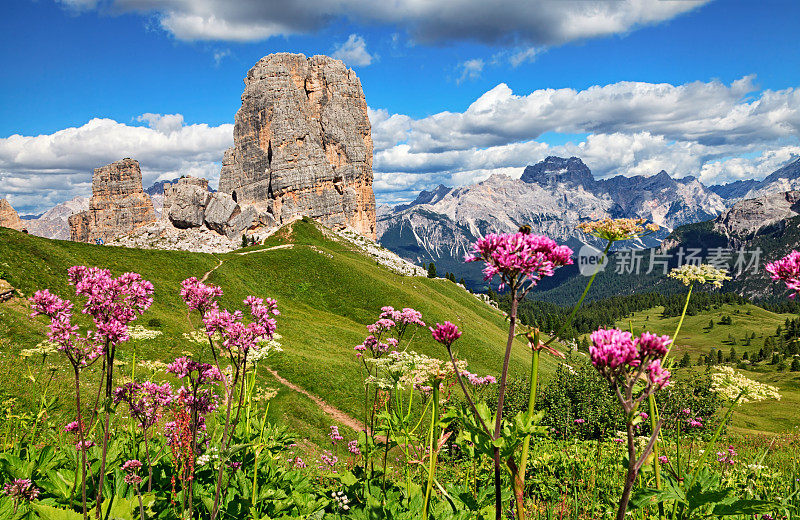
(743,238)
(553,197)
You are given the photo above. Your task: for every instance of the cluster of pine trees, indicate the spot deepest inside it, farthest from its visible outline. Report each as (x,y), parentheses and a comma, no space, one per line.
(606,312)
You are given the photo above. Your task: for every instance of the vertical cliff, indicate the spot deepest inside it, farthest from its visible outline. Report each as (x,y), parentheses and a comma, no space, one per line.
(118,205)
(303,144)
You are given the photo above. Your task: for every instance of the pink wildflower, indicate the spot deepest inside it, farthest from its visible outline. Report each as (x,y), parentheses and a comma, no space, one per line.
(334,435)
(580,421)
(353,448)
(727,457)
(651,345)
(131,465)
(446,333)
(328,460)
(21,489)
(199,296)
(787,269)
(663,459)
(519,256)
(612,349)
(659,377)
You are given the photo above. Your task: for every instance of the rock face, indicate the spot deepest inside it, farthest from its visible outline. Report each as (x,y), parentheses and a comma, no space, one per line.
(747,217)
(188,204)
(9,217)
(303,144)
(185,202)
(54,223)
(786,178)
(118,205)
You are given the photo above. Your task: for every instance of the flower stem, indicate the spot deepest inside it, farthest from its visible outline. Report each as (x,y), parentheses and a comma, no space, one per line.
(498,500)
(520,480)
(583,296)
(82,437)
(680,322)
(433,437)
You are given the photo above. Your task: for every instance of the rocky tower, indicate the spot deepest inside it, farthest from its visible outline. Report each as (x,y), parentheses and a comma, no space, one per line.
(118,205)
(302,143)
(9,217)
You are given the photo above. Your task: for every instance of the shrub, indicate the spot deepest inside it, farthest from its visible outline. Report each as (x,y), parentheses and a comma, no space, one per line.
(154,322)
(576,391)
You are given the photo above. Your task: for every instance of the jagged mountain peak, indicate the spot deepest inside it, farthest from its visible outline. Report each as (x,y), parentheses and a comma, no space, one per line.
(789,171)
(554,170)
(426,197)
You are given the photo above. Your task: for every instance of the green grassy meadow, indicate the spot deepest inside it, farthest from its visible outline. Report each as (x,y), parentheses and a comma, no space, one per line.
(327,293)
(696,338)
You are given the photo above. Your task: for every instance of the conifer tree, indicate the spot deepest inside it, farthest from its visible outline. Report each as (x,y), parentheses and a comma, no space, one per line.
(431,270)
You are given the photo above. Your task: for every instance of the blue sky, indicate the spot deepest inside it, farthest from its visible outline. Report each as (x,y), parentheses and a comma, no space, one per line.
(454,95)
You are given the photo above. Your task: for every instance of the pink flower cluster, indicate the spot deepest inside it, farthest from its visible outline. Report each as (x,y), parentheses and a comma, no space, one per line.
(334,435)
(353,448)
(239,335)
(83,446)
(614,351)
(199,373)
(380,326)
(787,269)
(375,347)
(81,350)
(145,401)
(727,457)
(516,256)
(112,302)
(407,316)
(476,380)
(199,296)
(445,333)
(130,468)
(21,489)
(328,460)
(73,427)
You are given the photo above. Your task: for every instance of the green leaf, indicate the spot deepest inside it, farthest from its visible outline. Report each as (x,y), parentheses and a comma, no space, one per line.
(743,507)
(54,513)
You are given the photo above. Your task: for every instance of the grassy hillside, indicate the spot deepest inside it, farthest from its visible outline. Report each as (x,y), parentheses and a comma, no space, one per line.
(327,292)
(696,339)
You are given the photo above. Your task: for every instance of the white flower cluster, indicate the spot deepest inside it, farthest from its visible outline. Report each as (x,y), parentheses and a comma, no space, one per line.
(341,500)
(705,273)
(265,394)
(138,332)
(153,365)
(264,350)
(200,336)
(409,368)
(731,384)
(43,348)
(211,454)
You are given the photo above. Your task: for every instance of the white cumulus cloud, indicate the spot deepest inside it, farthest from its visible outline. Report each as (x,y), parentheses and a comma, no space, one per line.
(37,172)
(353,52)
